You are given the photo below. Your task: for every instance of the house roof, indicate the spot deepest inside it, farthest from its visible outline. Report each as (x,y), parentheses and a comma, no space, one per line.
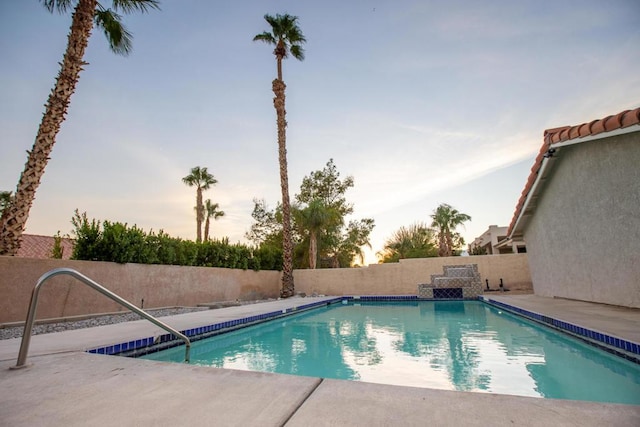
(558,136)
(34,246)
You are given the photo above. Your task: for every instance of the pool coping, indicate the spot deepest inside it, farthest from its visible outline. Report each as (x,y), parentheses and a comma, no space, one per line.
(64,384)
(621,347)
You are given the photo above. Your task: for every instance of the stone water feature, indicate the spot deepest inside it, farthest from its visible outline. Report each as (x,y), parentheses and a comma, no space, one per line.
(458,281)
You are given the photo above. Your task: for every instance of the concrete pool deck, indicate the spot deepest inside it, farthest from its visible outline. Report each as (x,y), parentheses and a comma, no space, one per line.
(66,386)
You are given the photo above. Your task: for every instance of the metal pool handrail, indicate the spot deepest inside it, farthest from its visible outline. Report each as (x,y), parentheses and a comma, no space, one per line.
(26,335)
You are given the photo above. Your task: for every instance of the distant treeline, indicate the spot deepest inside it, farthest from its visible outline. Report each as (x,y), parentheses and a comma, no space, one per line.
(117,242)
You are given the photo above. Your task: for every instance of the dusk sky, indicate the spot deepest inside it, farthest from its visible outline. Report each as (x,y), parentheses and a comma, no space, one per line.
(422,102)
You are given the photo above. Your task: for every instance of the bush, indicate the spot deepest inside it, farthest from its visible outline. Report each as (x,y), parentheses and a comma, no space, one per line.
(117,242)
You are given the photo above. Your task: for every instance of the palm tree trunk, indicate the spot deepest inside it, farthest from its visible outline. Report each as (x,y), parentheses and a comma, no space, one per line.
(288,288)
(206,229)
(15,217)
(442,244)
(199,214)
(313,250)
(449,244)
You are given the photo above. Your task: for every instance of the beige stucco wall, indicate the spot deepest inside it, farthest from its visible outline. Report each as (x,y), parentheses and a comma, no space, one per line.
(158,285)
(403,278)
(162,285)
(583,240)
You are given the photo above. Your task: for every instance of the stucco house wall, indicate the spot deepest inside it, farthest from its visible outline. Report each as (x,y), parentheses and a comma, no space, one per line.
(580,212)
(583,240)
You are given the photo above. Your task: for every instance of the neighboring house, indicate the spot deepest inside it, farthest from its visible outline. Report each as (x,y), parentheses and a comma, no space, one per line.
(494,242)
(34,246)
(580,212)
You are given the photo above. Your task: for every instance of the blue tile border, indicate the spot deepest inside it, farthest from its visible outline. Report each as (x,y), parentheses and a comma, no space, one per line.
(148,345)
(626,349)
(621,347)
(380,298)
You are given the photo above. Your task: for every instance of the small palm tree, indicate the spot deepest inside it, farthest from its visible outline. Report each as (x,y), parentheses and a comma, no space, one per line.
(210,211)
(445,220)
(414,241)
(287,38)
(314,219)
(202,180)
(86,14)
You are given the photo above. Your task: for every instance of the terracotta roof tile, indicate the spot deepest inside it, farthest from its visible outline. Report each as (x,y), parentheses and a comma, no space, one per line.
(609,123)
(34,246)
(565,133)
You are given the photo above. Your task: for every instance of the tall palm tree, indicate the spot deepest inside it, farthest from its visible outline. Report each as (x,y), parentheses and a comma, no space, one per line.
(86,14)
(287,38)
(210,211)
(445,219)
(202,180)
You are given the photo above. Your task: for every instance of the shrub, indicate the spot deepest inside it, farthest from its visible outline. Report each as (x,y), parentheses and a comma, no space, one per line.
(117,242)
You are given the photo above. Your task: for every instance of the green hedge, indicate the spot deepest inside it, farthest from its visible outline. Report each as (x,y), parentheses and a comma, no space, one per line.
(116,242)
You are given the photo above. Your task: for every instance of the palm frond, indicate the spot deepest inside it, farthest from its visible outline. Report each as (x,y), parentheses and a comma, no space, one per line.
(272,20)
(265,37)
(118,36)
(60,5)
(128,6)
(297,51)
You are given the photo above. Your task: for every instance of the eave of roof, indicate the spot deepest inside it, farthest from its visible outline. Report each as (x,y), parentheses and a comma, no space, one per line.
(600,128)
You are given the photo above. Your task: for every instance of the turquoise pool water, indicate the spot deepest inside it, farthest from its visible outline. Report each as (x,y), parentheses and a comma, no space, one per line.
(451,345)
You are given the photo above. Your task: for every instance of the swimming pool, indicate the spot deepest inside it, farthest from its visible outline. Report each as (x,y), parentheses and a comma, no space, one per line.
(452,345)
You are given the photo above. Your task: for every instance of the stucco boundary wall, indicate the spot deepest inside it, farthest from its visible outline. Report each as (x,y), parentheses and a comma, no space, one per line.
(402,278)
(167,286)
(158,285)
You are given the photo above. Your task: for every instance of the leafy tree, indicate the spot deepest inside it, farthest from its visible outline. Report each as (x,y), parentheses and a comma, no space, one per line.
(445,220)
(267,228)
(86,14)
(210,211)
(414,241)
(88,235)
(202,180)
(57,251)
(326,185)
(339,246)
(319,222)
(287,38)
(5,200)
(478,250)
(354,238)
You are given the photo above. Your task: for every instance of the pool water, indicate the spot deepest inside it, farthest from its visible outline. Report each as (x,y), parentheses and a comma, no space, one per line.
(450,345)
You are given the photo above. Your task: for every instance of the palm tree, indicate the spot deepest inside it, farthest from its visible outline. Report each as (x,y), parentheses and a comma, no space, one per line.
(314,219)
(86,14)
(202,180)
(210,211)
(445,219)
(414,241)
(287,38)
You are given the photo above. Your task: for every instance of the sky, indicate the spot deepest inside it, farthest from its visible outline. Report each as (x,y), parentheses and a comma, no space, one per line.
(422,102)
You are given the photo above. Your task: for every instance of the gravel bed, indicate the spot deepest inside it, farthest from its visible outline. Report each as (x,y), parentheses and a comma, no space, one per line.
(110,319)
